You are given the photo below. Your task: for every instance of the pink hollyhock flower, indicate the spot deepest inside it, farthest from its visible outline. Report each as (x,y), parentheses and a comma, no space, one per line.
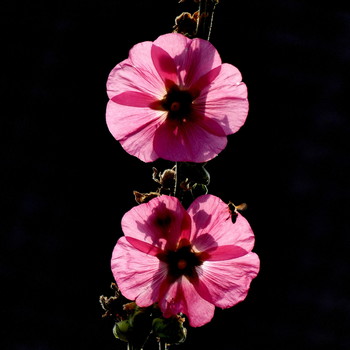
(187,261)
(174,99)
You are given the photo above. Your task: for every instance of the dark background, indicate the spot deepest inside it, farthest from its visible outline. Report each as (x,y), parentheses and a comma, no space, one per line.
(66,182)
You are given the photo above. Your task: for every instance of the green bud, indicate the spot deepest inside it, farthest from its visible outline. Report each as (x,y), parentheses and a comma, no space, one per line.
(141,318)
(140,322)
(170,330)
(122,330)
(195,172)
(199,189)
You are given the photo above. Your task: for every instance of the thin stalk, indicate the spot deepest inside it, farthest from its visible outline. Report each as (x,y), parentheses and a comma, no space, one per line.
(205,18)
(163,346)
(176,179)
(211,20)
(200,31)
(178,192)
(132,347)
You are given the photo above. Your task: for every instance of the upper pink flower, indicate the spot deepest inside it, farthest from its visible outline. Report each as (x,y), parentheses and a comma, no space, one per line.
(187,261)
(174,99)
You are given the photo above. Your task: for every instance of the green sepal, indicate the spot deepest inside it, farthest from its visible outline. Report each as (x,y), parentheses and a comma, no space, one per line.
(194,172)
(122,330)
(169,330)
(199,190)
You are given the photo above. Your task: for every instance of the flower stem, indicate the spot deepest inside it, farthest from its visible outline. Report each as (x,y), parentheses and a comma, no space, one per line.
(133,347)
(176,179)
(211,20)
(179,177)
(206,10)
(163,346)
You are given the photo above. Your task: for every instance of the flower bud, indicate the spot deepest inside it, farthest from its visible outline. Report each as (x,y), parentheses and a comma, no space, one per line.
(141,318)
(199,190)
(141,326)
(122,330)
(170,330)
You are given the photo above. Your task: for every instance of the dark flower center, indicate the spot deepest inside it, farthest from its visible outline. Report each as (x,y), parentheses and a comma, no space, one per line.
(178,103)
(183,261)
(163,222)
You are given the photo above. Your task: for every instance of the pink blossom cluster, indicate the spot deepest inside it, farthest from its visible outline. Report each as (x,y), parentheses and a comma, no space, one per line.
(174,99)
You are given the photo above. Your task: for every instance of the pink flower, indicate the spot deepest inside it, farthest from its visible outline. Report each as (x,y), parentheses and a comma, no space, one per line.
(187,261)
(174,99)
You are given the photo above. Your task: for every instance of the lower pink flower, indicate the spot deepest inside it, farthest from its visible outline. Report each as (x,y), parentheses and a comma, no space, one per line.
(187,261)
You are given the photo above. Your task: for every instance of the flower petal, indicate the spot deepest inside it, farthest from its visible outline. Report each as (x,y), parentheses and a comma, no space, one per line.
(225,283)
(189,141)
(212,226)
(193,58)
(174,44)
(130,124)
(210,125)
(201,58)
(224,252)
(225,100)
(204,81)
(113,85)
(126,76)
(138,275)
(144,247)
(141,58)
(164,65)
(123,120)
(181,296)
(161,222)
(143,150)
(134,99)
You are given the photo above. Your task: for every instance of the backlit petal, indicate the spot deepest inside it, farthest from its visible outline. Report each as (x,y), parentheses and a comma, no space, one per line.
(224,252)
(188,141)
(201,58)
(225,100)
(144,247)
(134,99)
(193,58)
(181,296)
(204,82)
(138,275)
(128,77)
(212,225)
(162,222)
(130,124)
(164,65)
(226,283)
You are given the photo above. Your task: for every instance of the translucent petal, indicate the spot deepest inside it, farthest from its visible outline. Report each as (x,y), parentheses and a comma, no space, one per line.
(161,222)
(138,275)
(226,283)
(181,296)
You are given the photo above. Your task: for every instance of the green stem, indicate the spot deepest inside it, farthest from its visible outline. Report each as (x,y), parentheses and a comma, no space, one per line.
(176,189)
(178,192)
(205,18)
(211,20)
(133,347)
(163,346)
(179,178)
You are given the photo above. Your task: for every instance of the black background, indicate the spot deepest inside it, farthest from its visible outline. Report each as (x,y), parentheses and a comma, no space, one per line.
(66,182)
